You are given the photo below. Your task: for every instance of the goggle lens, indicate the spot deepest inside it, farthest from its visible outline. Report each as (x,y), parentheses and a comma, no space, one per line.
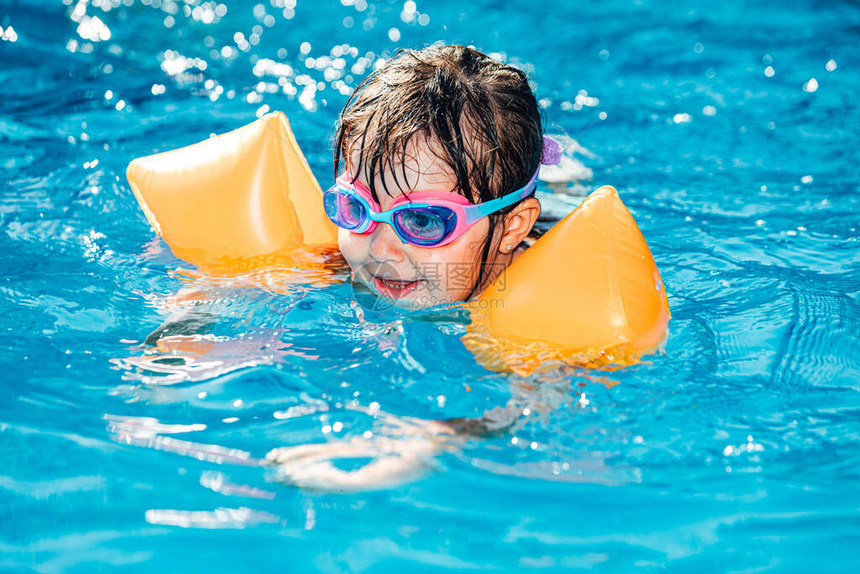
(425,226)
(343,209)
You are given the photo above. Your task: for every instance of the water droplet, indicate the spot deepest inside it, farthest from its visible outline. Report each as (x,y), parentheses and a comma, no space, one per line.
(10,35)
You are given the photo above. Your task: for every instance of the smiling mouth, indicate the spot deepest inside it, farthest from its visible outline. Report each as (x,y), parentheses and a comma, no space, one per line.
(394,288)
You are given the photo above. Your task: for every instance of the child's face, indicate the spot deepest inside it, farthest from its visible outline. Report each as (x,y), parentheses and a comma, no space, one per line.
(415,276)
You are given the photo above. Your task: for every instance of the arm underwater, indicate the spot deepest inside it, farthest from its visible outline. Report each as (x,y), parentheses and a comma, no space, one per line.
(587,293)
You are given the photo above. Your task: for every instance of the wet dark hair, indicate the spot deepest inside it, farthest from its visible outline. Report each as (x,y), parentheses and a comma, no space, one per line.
(477,115)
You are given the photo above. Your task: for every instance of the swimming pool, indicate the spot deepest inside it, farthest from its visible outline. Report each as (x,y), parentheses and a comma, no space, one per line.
(731,131)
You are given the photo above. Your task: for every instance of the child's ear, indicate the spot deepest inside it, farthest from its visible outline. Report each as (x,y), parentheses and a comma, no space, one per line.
(518,223)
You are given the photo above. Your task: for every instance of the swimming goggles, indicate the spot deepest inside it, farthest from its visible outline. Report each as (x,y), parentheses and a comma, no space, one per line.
(423,218)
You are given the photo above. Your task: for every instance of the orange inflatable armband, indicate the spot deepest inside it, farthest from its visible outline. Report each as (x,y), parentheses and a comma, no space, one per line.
(586,293)
(236,202)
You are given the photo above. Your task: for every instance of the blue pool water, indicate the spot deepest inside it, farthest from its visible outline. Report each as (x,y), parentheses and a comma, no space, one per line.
(731,130)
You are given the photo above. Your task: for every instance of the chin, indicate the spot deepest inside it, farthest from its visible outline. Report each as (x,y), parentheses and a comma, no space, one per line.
(419,299)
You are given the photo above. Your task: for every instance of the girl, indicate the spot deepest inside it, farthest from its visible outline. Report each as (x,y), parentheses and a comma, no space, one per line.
(441,149)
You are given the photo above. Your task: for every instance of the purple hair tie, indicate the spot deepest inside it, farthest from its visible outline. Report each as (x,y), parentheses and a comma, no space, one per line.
(552,151)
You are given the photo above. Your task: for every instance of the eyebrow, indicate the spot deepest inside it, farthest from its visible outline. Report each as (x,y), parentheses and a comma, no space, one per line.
(359,184)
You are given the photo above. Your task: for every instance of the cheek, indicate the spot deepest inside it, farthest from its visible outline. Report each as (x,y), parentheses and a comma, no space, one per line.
(353,247)
(459,263)
(468,249)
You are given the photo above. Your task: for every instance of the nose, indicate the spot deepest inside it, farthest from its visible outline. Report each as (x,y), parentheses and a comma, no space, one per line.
(385,245)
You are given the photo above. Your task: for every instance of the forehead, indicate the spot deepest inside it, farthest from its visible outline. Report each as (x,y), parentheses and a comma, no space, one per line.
(415,168)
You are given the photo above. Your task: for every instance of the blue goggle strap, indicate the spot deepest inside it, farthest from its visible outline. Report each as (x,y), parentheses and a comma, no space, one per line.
(481,210)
